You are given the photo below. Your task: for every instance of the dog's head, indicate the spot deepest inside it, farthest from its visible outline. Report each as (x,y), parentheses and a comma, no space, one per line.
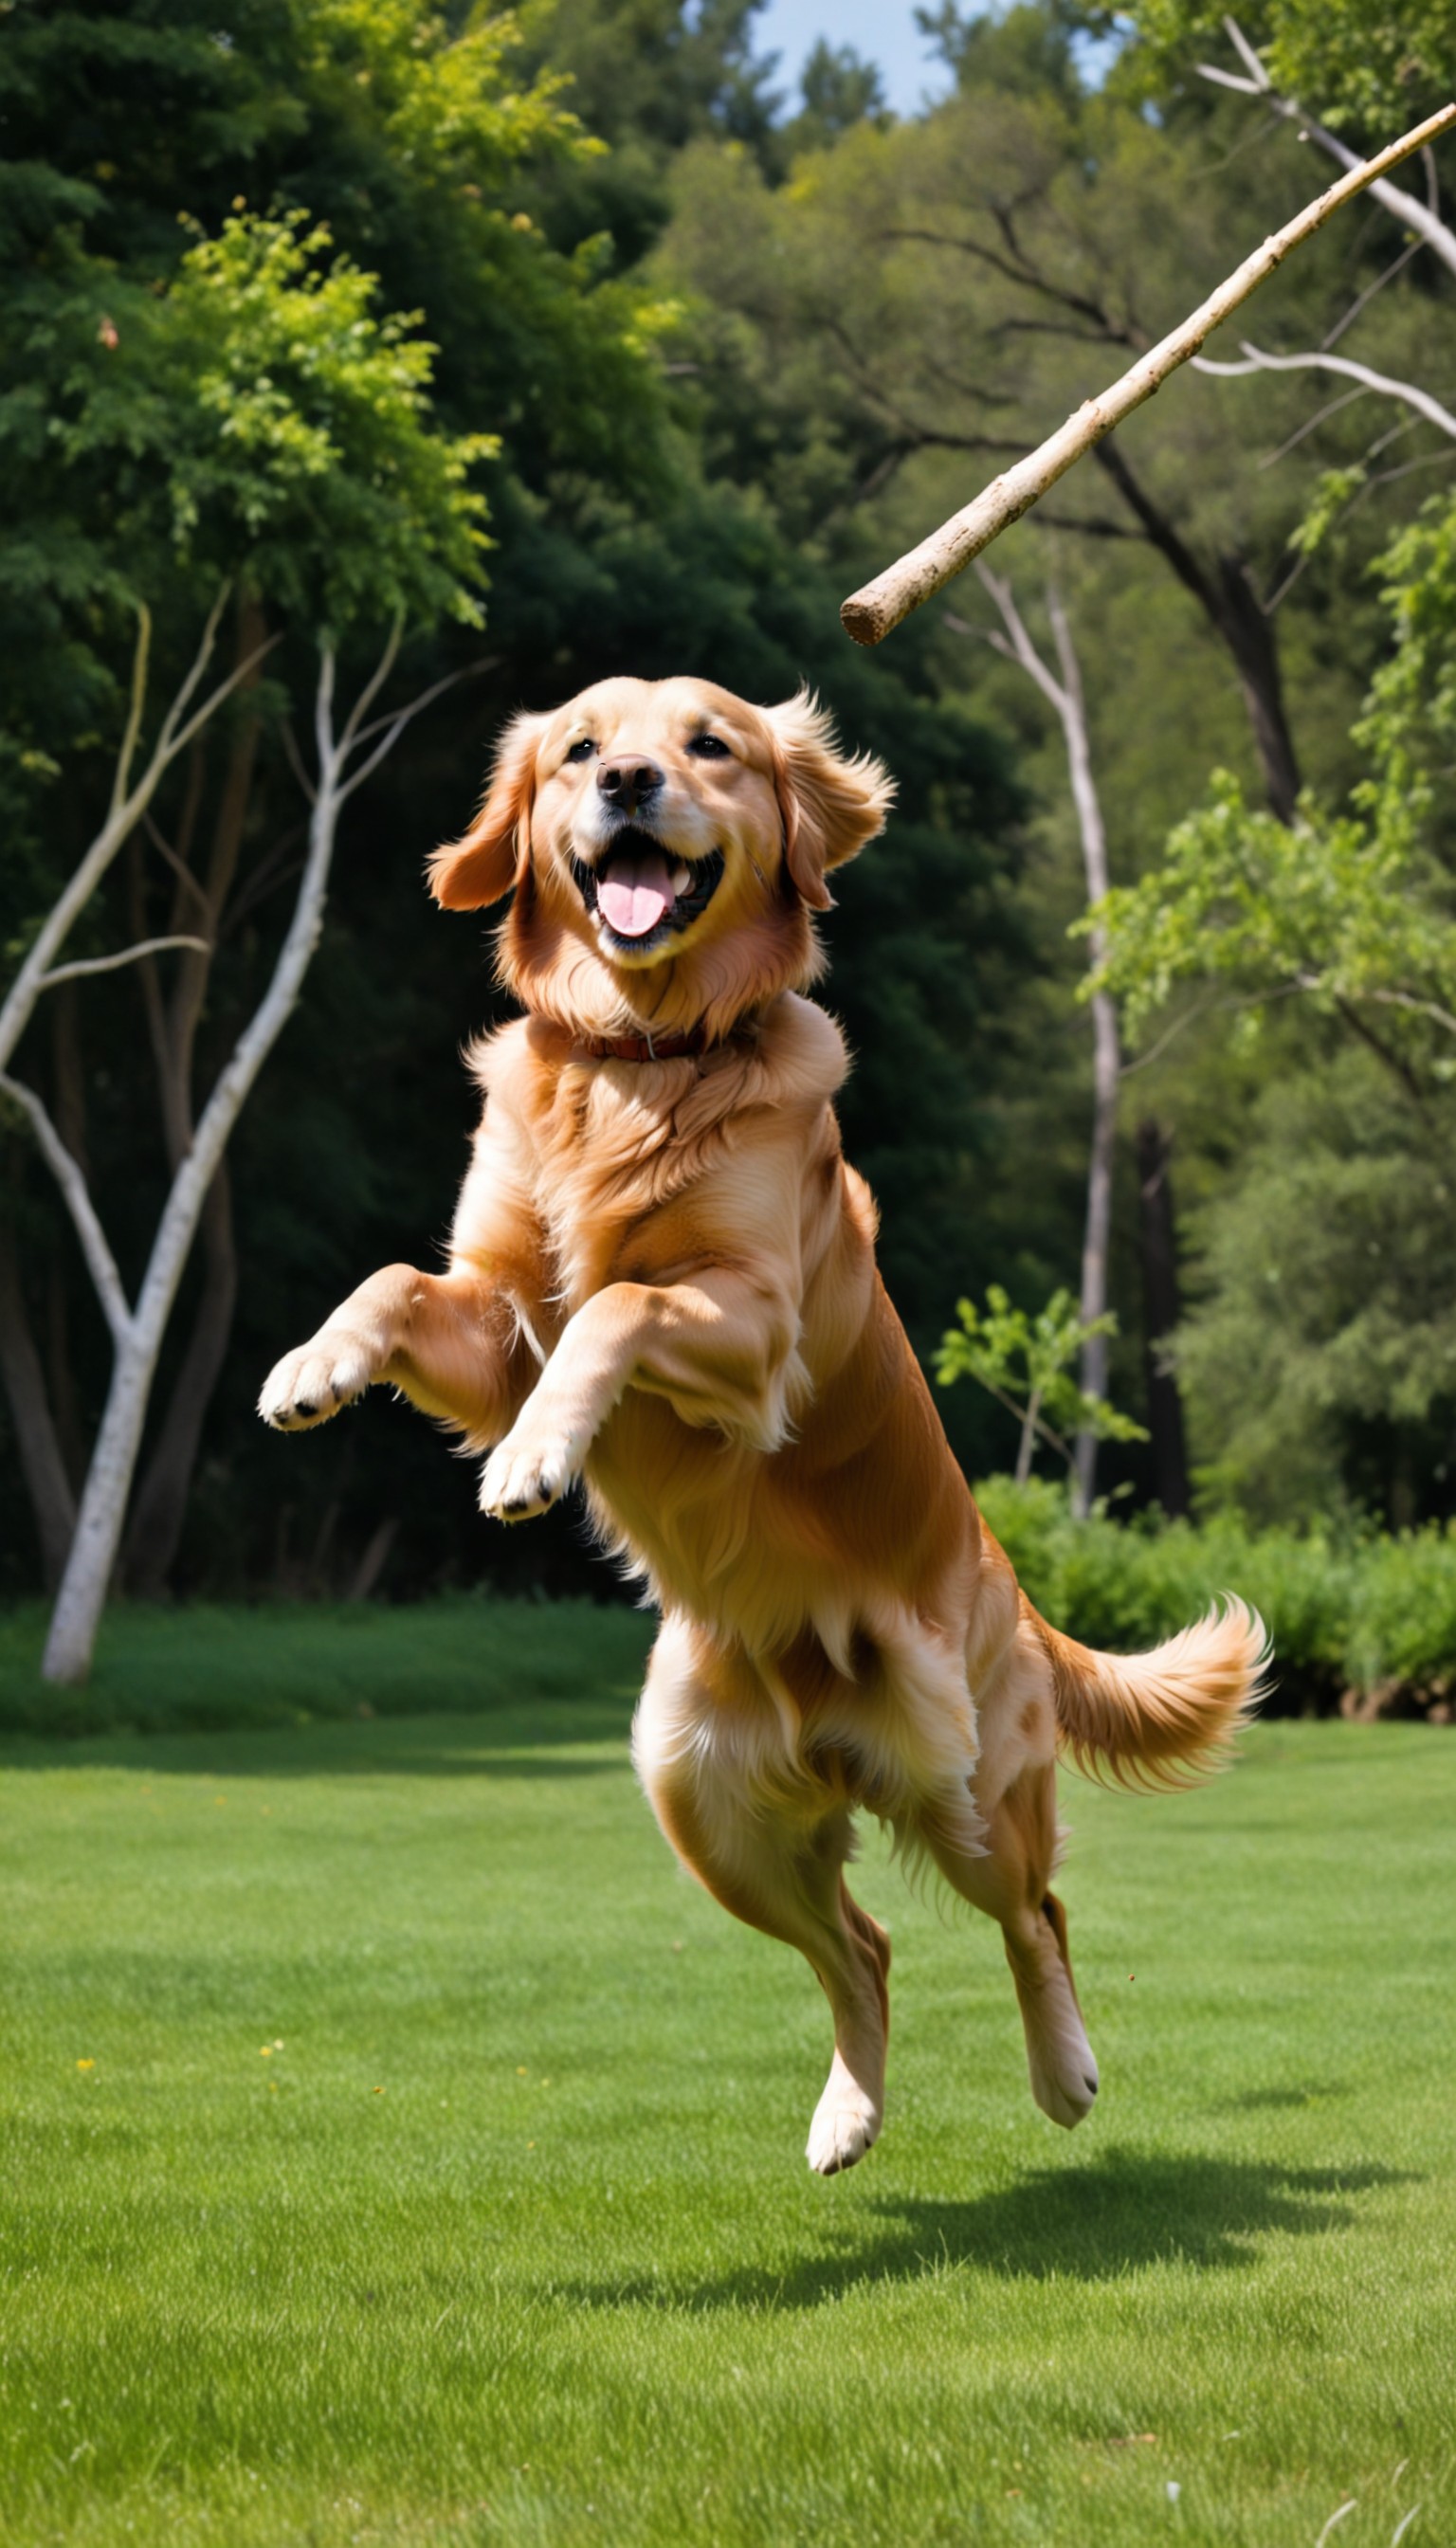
(668,844)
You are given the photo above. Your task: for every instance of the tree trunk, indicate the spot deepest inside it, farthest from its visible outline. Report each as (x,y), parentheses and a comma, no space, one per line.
(138,1335)
(1162,1309)
(1229,603)
(1096,1244)
(1248,633)
(53,1501)
(1107,1057)
(160,1503)
(65,1405)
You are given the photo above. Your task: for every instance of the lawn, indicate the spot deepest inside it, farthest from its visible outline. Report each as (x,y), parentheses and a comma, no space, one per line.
(398,2149)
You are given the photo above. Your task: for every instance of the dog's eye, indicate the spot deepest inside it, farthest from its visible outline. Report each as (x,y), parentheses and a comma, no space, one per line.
(582,750)
(708,746)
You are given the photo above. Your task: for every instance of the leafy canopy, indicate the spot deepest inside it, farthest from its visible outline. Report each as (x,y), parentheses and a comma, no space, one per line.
(1367,62)
(266,420)
(1355,910)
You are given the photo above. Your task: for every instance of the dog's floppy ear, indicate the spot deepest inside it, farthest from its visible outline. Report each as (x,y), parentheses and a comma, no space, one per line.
(831,804)
(468,873)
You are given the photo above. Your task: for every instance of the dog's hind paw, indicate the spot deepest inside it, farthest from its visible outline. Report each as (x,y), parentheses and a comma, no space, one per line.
(846,2125)
(1065,2088)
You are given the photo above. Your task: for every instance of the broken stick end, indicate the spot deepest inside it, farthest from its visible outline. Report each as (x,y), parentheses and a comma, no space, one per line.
(865,619)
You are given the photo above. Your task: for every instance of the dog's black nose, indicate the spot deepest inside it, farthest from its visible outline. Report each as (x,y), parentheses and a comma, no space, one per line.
(629,783)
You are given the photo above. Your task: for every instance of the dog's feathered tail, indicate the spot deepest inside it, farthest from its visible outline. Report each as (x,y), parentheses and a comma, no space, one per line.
(1165,1719)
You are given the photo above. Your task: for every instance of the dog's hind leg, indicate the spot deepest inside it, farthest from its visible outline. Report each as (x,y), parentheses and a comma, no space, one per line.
(1013,1883)
(779,1871)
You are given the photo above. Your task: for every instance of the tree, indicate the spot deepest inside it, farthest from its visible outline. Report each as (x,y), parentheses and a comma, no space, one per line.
(1063,692)
(1341,916)
(1318,1348)
(838,90)
(1023,1362)
(286,430)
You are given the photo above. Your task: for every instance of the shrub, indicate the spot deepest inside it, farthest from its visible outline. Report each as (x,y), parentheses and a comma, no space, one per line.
(1358,1621)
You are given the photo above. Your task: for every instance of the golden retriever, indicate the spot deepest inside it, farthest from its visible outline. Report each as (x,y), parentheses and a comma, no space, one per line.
(661,1282)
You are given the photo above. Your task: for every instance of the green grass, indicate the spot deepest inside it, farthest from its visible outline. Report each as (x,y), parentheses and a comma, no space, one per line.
(164,1670)
(507,2234)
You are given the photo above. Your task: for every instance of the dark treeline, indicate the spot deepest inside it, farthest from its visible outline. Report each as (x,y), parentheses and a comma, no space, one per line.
(735,349)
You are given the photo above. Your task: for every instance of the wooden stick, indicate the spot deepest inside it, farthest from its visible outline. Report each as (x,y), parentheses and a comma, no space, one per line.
(870,613)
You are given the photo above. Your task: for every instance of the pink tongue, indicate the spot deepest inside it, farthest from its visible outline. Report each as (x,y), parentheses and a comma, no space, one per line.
(635,892)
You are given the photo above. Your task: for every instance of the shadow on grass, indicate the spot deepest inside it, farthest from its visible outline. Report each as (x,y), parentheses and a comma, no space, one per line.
(1121,2212)
(500,1742)
(1286,2100)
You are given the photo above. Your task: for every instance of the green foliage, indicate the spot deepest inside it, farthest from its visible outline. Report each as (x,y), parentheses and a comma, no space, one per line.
(286,430)
(1354,911)
(1025,1360)
(1348,1610)
(261,416)
(839,90)
(1333,908)
(1379,64)
(1320,1340)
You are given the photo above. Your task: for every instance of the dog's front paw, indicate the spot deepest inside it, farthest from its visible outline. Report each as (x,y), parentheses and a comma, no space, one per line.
(529,1471)
(316,1379)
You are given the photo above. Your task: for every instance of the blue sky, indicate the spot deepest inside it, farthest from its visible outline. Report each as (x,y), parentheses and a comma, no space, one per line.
(883,31)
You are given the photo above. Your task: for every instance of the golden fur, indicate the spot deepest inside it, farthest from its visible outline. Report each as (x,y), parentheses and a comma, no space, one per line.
(661,1282)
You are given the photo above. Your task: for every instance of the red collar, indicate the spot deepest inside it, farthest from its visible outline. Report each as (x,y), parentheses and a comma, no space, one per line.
(646,1047)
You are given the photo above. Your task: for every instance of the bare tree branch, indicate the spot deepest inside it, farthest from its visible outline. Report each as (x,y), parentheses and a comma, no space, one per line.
(138,1334)
(296,761)
(225,690)
(128,804)
(1363,299)
(126,956)
(1311,425)
(467,672)
(100,1262)
(1017,268)
(1424,219)
(870,613)
(179,866)
(137,701)
(373,685)
(1256,360)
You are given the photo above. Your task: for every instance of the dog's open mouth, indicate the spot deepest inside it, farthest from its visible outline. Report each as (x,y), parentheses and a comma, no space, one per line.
(641,893)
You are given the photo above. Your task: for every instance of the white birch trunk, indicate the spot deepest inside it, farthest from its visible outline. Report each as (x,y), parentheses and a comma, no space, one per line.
(137,1333)
(1066,696)
(1107,1059)
(81,1598)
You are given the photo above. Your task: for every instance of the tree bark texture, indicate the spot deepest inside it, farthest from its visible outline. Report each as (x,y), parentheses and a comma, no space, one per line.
(1225,594)
(159,1506)
(53,1499)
